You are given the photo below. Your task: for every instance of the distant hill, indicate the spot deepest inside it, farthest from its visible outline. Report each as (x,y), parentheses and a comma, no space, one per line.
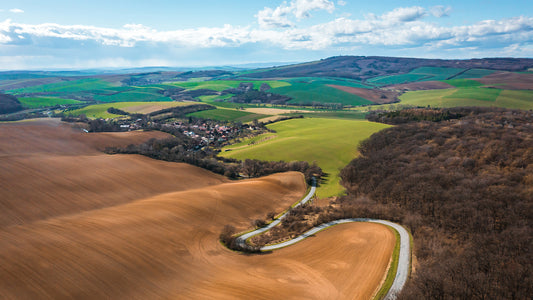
(9,104)
(364,67)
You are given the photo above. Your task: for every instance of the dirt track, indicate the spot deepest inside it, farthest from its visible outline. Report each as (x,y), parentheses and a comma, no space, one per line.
(164,245)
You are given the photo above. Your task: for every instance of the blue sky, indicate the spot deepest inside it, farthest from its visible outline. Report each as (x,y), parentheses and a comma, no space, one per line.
(118,33)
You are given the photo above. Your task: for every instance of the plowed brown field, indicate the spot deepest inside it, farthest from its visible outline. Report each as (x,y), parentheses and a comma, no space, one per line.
(161,240)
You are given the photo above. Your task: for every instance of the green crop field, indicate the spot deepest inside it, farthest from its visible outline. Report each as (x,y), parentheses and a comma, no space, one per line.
(35,102)
(474,73)
(227,115)
(332,143)
(326,80)
(469,97)
(463,82)
(314,92)
(396,79)
(342,114)
(418,74)
(220,85)
(137,95)
(73,86)
(100,110)
(475,93)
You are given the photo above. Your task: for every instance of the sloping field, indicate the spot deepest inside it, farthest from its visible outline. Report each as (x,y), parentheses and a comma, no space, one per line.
(220,85)
(167,246)
(34,102)
(376,96)
(332,143)
(49,169)
(509,80)
(418,74)
(316,92)
(67,86)
(100,110)
(470,97)
(422,85)
(161,240)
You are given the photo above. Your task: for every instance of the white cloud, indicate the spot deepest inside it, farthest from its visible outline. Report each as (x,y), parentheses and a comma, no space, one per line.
(440,11)
(16,10)
(341,3)
(300,9)
(399,29)
(404,14)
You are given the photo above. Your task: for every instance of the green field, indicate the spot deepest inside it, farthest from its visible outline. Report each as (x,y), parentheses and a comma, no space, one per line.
(137,95)
(100,110)
(463,82)
(418,74)
(474,73)
(222,114)
(73,86)
(327,80)
(332,143)
(316,92)
(469,97)
(35,102)
(220,85)
(475,93)
(342,114)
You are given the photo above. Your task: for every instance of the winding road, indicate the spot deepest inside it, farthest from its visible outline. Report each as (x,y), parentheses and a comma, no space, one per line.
(402,271)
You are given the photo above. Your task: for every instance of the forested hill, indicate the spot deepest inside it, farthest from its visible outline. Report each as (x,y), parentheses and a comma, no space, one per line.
(9,104)
(364,67)
(463,186)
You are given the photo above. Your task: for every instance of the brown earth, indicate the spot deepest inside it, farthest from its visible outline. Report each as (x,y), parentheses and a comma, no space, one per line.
(157,243)
(51,169)
(377,96)
(154,106)
(508,80)
(422,85)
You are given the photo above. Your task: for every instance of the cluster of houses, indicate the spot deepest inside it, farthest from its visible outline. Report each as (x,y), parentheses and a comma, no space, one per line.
(210,134)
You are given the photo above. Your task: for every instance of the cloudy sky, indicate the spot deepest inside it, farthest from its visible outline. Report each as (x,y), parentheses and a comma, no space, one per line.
(133,33)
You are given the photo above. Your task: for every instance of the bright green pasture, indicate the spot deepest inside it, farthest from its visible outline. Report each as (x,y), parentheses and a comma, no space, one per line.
(34,102)
(67,86)
(332,143)
(227,115)
(316,92)
(475,93)
(521,99)
(342,114)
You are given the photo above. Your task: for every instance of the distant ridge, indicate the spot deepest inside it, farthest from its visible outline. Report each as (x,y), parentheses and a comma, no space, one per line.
(364,67)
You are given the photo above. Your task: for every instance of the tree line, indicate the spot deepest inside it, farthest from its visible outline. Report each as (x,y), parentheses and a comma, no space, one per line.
(463,184)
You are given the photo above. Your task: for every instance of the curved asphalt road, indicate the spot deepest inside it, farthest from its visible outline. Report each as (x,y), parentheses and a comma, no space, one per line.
(403,261)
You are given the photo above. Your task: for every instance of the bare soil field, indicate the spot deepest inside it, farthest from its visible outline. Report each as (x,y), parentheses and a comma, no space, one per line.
(145,229)
(272,111)
(423,85)
(374,95)
(51,169)
(508,80)
(154,106)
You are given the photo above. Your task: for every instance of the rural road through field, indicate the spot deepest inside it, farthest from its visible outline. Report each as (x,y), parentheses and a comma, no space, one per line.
(404,256)
(241,240)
